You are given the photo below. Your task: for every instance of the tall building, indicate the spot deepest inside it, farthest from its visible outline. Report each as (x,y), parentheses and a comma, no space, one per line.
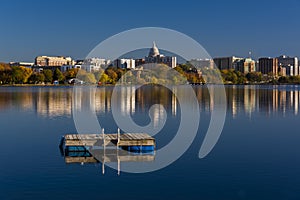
(226,62)
(290,64)
(53,61)
(125,63)
(268,65)
(155,57)
(245,65)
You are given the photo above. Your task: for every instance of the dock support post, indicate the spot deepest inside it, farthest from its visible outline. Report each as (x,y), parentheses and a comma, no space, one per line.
(103,161)
(103,134)
(119,167)
(103,167)
(118,136)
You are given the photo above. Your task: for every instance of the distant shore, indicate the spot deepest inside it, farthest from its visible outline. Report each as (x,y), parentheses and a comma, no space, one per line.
(110,85)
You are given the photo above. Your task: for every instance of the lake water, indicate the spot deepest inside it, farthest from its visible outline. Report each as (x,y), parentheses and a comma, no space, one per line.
(256,156)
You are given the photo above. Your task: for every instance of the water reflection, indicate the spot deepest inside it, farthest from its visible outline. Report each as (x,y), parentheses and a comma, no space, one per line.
(103,155)
(57,101)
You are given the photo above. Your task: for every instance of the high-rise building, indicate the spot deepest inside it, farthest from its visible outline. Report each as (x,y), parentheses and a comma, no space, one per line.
(245,65)
(268,65)
(290,64)
(226,62)
(155,57)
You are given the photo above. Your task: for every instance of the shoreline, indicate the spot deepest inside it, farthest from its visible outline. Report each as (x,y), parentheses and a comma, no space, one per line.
(110,85)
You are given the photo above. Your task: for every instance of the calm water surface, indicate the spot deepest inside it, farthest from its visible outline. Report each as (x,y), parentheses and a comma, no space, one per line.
(256,157)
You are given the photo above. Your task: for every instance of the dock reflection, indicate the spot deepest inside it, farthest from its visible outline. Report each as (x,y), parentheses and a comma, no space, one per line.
(107,155)
(103,156)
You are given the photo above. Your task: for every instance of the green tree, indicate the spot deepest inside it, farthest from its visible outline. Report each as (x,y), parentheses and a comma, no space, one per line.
(254,77)
(283,79)
(58,75)
(241,78)
(36,78)
(48,75)
(26,72)
(17,75)
(294,79)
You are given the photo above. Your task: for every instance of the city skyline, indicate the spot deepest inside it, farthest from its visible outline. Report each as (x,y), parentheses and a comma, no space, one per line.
(221,27)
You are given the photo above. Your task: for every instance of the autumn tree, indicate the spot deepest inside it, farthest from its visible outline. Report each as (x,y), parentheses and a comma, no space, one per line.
(5,73)
(87,77)
(20,74)
(112,75)
(71,73)
(104,79)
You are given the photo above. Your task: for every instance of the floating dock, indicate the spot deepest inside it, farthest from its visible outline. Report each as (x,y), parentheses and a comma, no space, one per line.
(112,147)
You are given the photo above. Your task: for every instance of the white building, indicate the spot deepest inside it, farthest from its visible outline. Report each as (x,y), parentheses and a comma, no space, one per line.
(23,64)
(94,64)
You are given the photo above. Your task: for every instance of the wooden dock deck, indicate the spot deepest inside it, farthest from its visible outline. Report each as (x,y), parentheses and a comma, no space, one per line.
(116,139)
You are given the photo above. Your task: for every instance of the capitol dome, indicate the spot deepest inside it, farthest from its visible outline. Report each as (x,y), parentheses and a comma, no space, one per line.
(153,51)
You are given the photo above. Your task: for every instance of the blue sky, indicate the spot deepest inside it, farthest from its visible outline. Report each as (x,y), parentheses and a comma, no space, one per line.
(74,28)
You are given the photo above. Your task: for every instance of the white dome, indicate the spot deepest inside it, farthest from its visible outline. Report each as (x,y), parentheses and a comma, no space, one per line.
(153,51)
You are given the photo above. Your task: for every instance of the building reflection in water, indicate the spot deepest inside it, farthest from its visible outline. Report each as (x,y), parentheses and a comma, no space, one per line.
(57,101)
(250,99)
(53,103)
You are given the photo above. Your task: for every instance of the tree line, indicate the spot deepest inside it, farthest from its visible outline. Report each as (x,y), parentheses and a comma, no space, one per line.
(23,75)
(158,74)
